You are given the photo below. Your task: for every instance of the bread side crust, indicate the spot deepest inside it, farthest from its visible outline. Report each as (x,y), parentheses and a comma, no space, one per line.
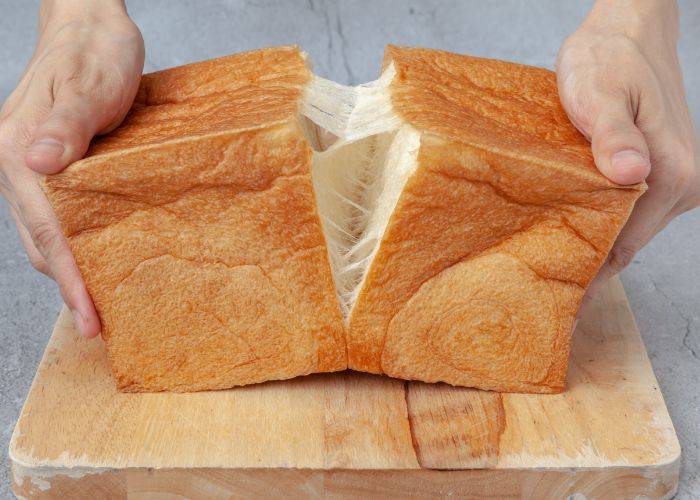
(472,257)
(206,261)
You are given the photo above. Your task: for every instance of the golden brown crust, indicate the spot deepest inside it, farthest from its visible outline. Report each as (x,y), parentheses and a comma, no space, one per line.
(204,255)
(495,237)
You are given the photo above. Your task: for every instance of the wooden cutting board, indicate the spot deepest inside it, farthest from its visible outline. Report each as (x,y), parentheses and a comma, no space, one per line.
(349,434)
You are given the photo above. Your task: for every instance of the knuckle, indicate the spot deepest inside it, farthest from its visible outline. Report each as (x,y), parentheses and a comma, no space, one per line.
(621,257)
(680,173)
(625,43)
(39,264)
(89,79)
(685,175)
(609,127)
(62,121)
(44,236)
(686,165)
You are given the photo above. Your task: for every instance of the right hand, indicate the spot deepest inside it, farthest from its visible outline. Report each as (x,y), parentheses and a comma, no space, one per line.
(80,82)
(620,82)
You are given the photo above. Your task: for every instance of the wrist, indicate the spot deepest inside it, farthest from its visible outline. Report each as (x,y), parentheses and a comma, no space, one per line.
(637,19)
(58,12)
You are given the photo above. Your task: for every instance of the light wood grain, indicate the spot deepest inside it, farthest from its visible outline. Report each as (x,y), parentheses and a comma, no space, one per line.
(349,434)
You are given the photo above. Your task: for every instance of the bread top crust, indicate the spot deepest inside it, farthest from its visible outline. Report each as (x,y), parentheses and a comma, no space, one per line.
(236,92)
(472,246)
(502,107)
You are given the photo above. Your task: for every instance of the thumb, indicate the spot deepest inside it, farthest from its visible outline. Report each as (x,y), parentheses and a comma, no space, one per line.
(65,135)
(619,147)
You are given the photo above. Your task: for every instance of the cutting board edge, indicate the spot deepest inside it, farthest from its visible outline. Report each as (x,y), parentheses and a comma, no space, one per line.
(41,467)
(660,481)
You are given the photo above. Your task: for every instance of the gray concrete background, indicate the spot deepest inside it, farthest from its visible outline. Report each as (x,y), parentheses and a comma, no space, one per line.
(345,39)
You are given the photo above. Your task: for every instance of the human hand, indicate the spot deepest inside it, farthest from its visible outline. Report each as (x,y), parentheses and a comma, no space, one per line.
(620,82)
(80,82)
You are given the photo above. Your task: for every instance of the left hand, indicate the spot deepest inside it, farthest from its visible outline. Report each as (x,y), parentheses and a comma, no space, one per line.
(80,82)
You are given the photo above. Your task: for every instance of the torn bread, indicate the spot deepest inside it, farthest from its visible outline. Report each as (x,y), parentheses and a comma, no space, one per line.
(195,227)
(250,220)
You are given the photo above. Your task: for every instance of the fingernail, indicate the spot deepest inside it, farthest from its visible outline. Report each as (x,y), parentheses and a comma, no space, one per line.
(48,147)
(630,160)
(78,321)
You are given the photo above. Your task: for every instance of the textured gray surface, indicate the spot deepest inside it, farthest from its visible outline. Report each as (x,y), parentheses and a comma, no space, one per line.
(345,39)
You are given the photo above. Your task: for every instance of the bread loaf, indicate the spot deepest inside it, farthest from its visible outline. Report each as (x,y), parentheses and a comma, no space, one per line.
(251,221)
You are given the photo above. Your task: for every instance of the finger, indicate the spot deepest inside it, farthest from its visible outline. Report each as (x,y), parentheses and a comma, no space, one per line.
(64,136)
(646,220)
(35,214)
(48,239)
(593,289)
(35,258)
(650,216)
(619,147)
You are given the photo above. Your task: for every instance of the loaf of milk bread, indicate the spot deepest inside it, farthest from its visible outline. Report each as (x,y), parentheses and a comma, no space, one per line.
(251,221)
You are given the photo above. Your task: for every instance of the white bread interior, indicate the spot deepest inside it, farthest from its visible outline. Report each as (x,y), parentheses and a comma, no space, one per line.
(364,154)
